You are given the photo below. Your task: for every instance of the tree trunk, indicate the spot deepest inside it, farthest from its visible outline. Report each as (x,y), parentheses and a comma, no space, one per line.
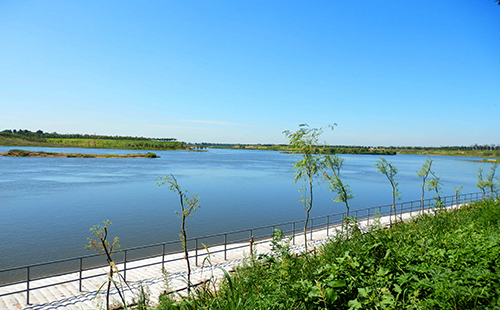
(109,285)
(305,229)
(186,254)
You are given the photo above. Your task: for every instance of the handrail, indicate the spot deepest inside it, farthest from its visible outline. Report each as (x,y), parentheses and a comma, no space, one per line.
(360,214)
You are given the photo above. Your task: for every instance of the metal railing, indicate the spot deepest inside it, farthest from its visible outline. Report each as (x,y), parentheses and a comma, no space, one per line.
(226,241)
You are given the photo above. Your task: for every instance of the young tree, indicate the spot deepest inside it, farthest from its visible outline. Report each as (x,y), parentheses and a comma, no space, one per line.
(481,183)
(304,142)
(490,179)
(457,193)
(342,191)
(102,246)
(188,206)
(390,171)
(435,184)
(423,173)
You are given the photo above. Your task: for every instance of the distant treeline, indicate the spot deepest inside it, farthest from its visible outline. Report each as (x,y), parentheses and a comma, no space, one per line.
(362,150)
(40,134)
(475,150)
(472,150)
(39,138)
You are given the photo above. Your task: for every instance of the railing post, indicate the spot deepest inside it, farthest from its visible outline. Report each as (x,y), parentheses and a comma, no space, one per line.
(293,233)
(196,252)
(125,266)
(368,218)
(28,285)
(225,246)
(81,275)
(327,226)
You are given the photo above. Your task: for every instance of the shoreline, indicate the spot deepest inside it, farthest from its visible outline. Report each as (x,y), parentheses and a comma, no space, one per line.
(40,154)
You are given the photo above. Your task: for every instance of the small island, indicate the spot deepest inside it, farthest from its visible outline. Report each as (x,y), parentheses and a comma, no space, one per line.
(23,153)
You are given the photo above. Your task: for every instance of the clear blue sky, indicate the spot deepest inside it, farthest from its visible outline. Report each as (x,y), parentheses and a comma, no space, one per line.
(387,72)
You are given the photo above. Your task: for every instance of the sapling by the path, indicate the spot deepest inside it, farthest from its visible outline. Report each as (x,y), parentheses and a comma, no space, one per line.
(188,206)
(435,184)
(102,246)
(342,191)
(490,179)
(390,171)
(488,182)
(481,183)
(304,142)
(457,193)
(423,173)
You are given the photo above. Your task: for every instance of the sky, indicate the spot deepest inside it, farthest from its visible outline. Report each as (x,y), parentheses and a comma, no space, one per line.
(388,73)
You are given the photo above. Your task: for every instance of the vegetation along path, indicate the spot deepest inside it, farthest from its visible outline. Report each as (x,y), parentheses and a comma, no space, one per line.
(446,261)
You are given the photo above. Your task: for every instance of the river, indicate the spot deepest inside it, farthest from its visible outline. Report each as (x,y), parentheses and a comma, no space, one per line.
(47,205)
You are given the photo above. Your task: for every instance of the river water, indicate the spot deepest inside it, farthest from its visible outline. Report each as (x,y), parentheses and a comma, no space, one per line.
(47,205)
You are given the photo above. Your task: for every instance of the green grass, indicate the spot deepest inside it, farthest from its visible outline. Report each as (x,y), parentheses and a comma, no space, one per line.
(91,143)
(451,152)
(447,261)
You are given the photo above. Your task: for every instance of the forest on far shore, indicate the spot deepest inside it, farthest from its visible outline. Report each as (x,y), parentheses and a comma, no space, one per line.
(44,139)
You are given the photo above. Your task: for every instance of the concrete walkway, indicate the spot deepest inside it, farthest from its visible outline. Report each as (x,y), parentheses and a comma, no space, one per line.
(68,296)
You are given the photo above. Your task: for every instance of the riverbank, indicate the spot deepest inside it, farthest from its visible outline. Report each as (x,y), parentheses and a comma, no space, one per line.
(23,153)
(210,263)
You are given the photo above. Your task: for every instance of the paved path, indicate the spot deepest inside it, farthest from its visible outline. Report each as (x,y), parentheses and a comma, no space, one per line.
(68,296)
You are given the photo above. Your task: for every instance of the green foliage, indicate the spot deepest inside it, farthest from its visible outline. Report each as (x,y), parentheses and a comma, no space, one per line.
(470,151)
(333,164)
(100,243)
(481,182)
(40,138)
(188,206)
(280,244)
(423,173)
(18,153)
(457,193)
(490,179)
(357,150)
(435,184)
(102,246)
(142,297)
(446,261)
(390,171)
(305,142)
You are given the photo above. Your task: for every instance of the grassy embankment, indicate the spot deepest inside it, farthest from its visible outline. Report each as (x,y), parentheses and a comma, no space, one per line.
(452,151)
(447,261)
(41,139)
